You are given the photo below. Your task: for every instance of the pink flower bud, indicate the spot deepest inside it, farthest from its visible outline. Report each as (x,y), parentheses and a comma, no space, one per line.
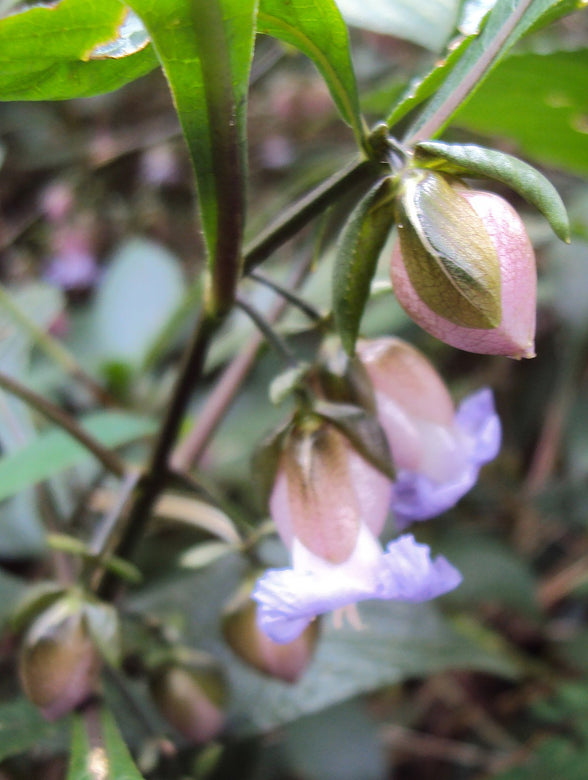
(437,451)
(59,664)
(191,699)
(324,491)
(514,335)
(285,662)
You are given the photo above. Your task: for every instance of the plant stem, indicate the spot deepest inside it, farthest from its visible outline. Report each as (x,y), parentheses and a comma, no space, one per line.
(129,530)
(469,81)
(189,451)
(109,459)
(269,333)
(356,173)
(312,313)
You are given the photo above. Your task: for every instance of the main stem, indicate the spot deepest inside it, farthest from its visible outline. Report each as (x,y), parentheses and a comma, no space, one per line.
(132,526)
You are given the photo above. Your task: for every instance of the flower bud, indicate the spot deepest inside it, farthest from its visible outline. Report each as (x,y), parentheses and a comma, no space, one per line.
(464,268)
(191,698)
(324,491)
(285,662)
(437,452)
(59,664)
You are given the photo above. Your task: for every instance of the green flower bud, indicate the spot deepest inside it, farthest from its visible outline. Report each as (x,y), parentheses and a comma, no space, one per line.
(464,268)
(59,664)
(191,698)
(447,252)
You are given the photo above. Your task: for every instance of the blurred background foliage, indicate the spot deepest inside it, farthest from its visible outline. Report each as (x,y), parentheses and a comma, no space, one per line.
(492,681)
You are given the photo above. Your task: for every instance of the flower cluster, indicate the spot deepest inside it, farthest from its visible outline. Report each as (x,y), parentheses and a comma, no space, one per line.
(330,505)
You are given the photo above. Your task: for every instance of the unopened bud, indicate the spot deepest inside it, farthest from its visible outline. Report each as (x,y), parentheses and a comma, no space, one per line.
(191,698)
(464,268)
(59,664)
(324,492)
(285,662)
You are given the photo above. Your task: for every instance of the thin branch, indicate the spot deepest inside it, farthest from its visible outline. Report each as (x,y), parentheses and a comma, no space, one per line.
(105,537)
(312,313)
(130,529)
(270,335)
(189,451)
(303,211)
(463,89)
(53,349)
(109,459)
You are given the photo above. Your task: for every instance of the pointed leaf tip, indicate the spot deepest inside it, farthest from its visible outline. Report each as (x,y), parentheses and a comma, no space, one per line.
(473,160)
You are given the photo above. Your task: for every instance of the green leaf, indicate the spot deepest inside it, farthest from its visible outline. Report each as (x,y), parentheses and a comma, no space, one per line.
(205,49)
(12,592)
(316,28)
(473,160)
(551,88)
(287,382)
(204,554)
(423,87)
(426,22)
(360,245)
(125,324)
(54,451)
(362,430)
(33,600)
(484,53)
(314,747)
(71,49)
(448,254)
(115,759)
(23,727)
(104,629)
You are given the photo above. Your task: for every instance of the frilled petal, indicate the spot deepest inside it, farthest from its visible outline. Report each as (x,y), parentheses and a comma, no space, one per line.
(417,497)
(289,599)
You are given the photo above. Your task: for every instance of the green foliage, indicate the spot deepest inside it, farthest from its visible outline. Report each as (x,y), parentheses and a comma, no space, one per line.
(551,90)
(115,759)
(472,160)
(54,451)
(139,293)
(476,63)
(132,327)
(54,53)
(23,728)
(205,50)
(358,250)
(317,29)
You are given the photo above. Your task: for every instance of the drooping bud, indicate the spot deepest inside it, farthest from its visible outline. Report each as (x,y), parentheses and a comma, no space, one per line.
(191,698)
(324,491)
(59,663)
(437,451)
(285,662)
(464,268)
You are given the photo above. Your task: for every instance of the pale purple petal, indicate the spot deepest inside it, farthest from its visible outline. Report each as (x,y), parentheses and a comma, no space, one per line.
(417,497)
(288,600)
(476,418)
(407,572)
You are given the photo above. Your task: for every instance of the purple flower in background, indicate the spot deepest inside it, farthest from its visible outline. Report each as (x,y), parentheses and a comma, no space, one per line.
(329,505)
(437,451)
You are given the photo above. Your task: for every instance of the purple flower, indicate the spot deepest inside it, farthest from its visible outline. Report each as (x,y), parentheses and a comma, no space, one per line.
(289,599)
(437,451)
